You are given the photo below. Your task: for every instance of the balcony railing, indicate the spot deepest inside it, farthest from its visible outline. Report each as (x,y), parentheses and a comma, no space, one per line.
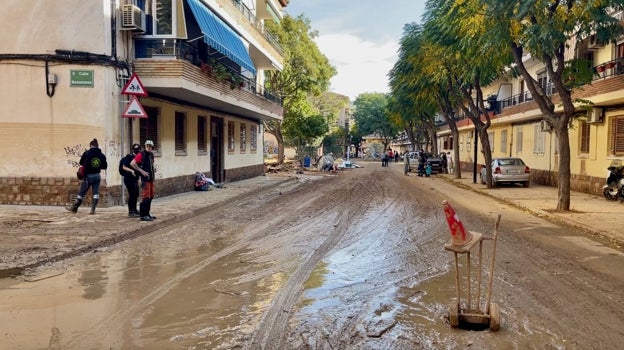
(176,49)
(601,71)
(256,23)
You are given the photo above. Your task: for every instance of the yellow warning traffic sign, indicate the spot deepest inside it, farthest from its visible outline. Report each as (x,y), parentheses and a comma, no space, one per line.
(134,109)
(134,87)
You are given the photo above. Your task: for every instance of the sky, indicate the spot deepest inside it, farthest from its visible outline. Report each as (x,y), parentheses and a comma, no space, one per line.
(359,37)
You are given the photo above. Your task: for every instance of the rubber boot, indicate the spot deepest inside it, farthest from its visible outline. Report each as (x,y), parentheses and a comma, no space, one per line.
(144,211)
(148,203)
(74,207)
(93,205)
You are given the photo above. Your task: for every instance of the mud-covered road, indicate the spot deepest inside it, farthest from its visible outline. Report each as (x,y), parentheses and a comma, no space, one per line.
(353,261)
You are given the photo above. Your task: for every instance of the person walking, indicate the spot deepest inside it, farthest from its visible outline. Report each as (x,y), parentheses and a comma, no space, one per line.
(131,180)
(94,161)
(143,163)
(451,163)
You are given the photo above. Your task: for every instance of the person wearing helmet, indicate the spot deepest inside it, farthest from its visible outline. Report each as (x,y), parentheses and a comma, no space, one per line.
(143,163)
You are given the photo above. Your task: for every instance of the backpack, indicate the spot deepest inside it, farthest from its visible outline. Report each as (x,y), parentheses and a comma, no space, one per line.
(125,161)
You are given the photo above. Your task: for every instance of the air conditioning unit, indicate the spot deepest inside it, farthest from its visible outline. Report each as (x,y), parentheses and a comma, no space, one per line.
(545,127)
(594,42)
(132,18)
(595,115)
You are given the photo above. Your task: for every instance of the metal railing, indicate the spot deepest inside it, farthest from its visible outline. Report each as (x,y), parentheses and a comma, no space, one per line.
(176,49)
(601,71)
(256,23)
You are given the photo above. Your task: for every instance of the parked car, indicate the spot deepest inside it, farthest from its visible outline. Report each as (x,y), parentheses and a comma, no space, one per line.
(508,170)
(435,161)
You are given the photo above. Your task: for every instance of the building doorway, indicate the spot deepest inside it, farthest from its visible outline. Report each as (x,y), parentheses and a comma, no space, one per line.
(216,149)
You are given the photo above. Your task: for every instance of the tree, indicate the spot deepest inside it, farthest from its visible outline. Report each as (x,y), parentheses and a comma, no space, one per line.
(461,29)
(543,29)
(372,118)
(306,72)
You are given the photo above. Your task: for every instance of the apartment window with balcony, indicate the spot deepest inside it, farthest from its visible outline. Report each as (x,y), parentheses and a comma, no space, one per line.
(503,141)
(538,139)
(243,138)
(231,139)
(542,80)
(519,140)
(180,133)
(162,14)
(148,127)
(584,138)
(617,136)
(253,139)
(202,132)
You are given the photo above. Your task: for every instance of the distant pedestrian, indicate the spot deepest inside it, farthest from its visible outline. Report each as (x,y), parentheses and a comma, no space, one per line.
(390,156)
(94,161)
(396,157)
(444,163)
(384,159)
(143,162)
(131,180)
(451,164)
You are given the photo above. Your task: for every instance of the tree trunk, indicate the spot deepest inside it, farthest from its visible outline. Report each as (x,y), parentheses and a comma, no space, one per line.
(563,200)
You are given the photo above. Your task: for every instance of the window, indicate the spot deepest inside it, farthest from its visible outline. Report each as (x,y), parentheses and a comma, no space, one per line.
(202,140)
(617,136)
(503,141)
(148,127)
(491,140)
(584,138)
(519,140)
(180,133)
(469,141)
(542,80)
(538,139)
(461,142)
(253,139)
(231,136)
(243,137)
(162,16)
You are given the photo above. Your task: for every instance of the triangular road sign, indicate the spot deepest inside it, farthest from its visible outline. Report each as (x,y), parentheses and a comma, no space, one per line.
(134,87)
(134,109)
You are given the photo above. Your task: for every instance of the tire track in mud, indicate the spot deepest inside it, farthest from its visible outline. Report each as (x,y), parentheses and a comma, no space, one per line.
(271,330)
(376,194)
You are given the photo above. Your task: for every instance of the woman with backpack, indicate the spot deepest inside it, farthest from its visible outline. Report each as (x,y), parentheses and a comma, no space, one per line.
(131,180)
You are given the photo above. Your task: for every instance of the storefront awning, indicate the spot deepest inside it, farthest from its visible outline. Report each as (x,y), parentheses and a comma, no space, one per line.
(220,36)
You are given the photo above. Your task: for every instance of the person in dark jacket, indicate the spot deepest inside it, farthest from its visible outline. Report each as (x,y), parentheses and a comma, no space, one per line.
(94,161)
(131,181)
(143,163)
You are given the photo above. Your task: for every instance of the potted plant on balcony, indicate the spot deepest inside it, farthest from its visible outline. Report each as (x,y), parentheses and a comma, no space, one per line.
(601,68)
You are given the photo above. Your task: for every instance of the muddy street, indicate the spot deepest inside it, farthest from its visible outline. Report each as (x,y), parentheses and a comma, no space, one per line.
(353,261)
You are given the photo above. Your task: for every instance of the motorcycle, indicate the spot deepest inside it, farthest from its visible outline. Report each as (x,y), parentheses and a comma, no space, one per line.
(614,188)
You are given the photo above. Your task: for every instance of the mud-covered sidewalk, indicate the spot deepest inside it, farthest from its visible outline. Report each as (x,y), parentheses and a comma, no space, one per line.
(32,236)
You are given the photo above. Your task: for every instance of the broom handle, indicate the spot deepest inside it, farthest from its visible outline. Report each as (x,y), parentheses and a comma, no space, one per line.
(489,298)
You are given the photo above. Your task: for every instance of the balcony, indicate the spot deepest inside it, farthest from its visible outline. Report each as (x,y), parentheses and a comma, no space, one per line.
(604,70)
(258,25)
(172,69)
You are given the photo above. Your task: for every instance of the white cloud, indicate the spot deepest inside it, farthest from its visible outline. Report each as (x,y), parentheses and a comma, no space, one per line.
(362,65)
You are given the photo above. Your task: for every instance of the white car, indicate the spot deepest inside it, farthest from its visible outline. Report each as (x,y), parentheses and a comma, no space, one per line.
(508,170)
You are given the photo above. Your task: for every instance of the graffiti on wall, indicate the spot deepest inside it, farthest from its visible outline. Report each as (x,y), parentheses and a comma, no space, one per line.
(73,154)
(270,147)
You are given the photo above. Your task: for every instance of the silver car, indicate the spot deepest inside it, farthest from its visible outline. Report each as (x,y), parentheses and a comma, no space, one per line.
(508,170)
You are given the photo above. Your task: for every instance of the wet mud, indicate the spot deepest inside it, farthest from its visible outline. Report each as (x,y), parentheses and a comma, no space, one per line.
(352,261)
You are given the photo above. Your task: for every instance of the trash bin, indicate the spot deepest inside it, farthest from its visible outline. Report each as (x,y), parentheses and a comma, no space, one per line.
(306,162)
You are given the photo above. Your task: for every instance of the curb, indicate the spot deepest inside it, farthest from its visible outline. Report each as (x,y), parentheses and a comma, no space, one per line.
(615,242)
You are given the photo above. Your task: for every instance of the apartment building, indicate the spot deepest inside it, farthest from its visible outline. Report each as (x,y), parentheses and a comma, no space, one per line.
(596,135)
(196,69)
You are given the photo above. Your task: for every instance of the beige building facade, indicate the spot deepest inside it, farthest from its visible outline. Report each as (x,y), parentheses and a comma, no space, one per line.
(517,130)
(65,65)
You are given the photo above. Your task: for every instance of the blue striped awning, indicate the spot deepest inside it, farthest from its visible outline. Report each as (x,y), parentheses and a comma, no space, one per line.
(220,36)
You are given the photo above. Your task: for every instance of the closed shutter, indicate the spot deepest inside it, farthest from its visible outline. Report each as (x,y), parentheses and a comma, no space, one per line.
(617,144)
